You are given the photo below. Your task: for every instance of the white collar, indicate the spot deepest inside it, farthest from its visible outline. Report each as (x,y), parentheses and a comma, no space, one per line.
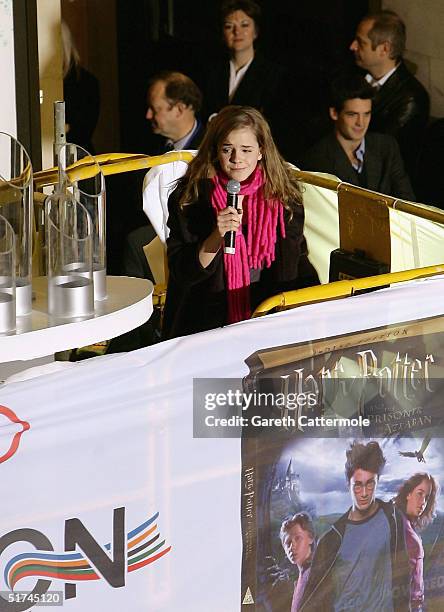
(380,82)
(236,77)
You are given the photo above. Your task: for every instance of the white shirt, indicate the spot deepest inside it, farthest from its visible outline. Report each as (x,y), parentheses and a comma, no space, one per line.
(379,82)
(236,77)
(359,154)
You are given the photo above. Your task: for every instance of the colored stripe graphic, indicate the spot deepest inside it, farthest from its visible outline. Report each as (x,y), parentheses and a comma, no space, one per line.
(137,566)
(74,567)
(141,527)
(136,551)
(141,537)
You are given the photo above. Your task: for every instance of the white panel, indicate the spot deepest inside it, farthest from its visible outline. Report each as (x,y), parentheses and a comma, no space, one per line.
(8,118)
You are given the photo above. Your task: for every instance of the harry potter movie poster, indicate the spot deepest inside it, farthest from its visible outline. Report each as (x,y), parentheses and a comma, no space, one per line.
(342,507)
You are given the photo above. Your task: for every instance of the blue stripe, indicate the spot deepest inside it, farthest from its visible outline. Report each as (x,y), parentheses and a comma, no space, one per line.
(137,530)
(48,556)
(70,556)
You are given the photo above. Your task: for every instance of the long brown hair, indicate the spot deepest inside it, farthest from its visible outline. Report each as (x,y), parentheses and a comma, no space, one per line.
(280,183)
(407,487)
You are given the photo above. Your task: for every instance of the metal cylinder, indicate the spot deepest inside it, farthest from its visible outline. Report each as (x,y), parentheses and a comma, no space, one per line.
(59,128)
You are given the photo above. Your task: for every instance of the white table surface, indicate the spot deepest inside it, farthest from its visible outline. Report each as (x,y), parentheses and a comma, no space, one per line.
(128,305)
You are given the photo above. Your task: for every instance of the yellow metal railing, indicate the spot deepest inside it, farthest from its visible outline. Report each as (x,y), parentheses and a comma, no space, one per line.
(110,163)
(115,163)
(413,208)
(341,289)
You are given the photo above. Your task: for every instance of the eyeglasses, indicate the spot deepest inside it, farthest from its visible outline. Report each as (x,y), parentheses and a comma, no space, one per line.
(360,486)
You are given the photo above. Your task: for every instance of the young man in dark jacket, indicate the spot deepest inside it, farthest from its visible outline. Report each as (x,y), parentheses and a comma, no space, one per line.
(361,563)
(350,152)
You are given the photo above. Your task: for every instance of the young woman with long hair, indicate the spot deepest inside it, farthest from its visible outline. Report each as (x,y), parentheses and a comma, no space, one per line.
(208,288)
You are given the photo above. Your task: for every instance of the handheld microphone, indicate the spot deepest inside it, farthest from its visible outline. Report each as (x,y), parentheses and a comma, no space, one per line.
(233,188)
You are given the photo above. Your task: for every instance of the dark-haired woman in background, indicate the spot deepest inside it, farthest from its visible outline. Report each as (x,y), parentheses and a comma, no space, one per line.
(206,287)
(245,77)
(417,499)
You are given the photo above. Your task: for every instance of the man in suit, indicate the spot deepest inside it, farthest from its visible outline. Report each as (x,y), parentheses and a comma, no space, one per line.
(401,105)
(173,102)
(367,159)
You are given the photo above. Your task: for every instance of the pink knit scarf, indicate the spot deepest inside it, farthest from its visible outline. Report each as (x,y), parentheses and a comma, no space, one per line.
(256,248)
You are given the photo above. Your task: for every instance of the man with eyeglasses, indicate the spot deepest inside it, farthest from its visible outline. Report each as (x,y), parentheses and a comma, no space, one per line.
(361,564)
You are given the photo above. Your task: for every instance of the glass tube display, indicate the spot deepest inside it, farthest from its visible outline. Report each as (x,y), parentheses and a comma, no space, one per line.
(16,205)
(69,257)
(80,175)
(7,277)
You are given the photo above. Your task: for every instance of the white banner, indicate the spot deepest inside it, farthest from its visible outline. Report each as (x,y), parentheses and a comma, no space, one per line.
(108,498)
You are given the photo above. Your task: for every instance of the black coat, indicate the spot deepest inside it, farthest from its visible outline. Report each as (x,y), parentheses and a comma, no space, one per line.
(401,108)
(259,86)
(264,86)
(383,167)
(82,104)
(318,593)
(196,296)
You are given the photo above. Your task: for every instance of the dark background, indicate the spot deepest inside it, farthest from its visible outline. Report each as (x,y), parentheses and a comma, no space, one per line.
(310,38)
(123,43)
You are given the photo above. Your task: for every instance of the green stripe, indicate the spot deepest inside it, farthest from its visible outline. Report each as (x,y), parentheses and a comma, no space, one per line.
(58,570)
(146,554)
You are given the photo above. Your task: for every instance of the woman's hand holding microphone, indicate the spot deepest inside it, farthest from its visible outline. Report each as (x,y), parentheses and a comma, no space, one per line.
(228,220)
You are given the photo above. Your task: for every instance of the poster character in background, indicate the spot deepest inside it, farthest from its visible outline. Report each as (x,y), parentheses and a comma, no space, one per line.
(361,563)
(298,541)
(417,500)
